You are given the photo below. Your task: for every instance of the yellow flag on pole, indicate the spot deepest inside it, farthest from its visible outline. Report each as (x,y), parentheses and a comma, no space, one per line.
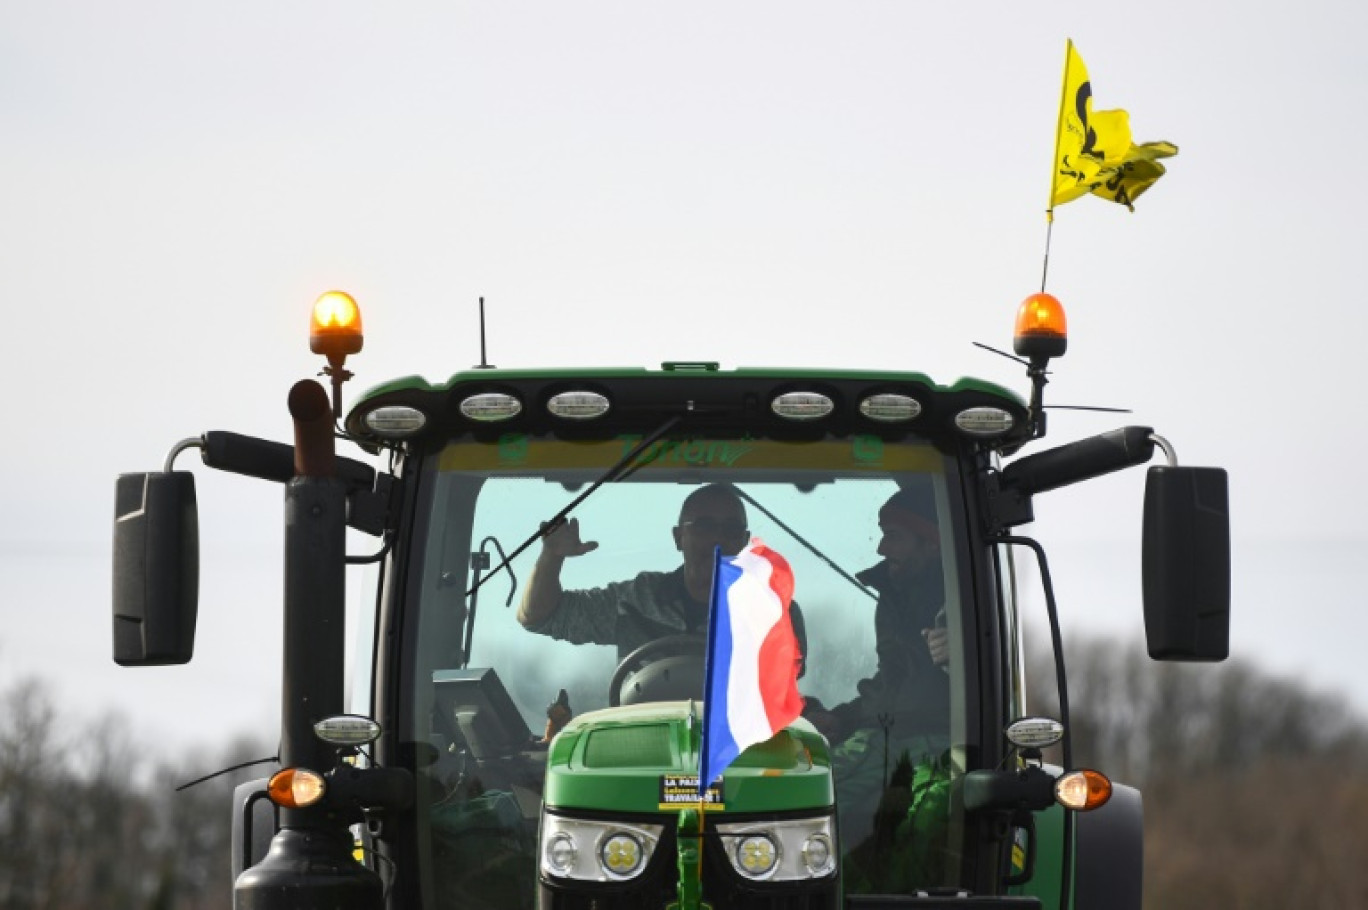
(1094,152)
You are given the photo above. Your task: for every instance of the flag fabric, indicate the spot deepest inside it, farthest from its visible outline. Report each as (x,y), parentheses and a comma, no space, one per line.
(751,689)
(1094,152)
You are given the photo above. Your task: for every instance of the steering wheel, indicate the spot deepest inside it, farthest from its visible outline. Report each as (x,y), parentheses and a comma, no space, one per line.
(664,669)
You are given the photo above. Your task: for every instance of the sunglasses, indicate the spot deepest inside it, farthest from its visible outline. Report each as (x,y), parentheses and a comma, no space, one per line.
(720,527)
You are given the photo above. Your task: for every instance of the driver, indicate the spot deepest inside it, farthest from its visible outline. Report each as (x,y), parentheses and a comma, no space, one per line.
(652,605)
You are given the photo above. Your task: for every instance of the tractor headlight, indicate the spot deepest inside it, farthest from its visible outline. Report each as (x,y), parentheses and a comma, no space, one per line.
(622,855)
(756,855)
(817,854)
(782,851)
(559,854)
(595,851)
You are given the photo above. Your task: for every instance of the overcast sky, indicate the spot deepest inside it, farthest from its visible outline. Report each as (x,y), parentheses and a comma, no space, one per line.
(777,183)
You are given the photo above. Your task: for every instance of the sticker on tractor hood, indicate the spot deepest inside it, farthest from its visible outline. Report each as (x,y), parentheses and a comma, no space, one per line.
(679,791)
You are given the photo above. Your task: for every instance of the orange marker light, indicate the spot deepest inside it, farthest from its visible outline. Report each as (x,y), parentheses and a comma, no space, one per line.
(1083,789)
(296,788)
(1041,330)
(335,328)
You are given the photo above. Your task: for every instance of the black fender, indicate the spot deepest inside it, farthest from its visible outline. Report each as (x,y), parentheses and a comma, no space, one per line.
(254,824)
(1109,853)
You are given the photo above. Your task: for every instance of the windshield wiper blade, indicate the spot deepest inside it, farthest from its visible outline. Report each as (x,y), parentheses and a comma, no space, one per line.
(618,471)
(812,548)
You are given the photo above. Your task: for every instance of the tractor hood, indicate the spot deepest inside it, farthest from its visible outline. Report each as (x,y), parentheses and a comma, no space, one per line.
(644,758)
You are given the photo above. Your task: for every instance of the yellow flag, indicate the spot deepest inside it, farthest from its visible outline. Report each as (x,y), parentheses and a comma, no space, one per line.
(1093,149)
(1125,181)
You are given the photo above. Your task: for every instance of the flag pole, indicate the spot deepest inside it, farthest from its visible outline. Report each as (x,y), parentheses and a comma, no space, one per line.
(1059,123)
(1049,229)
(1054,162)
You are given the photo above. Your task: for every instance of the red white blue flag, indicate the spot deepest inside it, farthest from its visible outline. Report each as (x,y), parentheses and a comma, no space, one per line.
(751,690)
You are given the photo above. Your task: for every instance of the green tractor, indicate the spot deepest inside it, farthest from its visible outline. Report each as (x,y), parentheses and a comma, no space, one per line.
(524,720)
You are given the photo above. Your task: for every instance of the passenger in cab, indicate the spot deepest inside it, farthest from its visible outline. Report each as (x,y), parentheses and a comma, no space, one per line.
(909,687)
(890,742)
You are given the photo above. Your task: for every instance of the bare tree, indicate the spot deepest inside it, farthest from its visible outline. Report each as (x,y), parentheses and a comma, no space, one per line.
(1255,787)
(89,822)
(31,819)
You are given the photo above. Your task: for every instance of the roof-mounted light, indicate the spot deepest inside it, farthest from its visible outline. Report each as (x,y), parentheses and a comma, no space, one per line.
(1041,330)
(890,407)
(802,405)
(578,405)
(335,327)
(335,332)
(490,407)
(984,422)
(395,421)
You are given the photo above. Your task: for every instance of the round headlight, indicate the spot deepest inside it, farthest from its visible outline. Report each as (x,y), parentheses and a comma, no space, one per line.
(817,854)
(561,853)
(757,855)
(621,855)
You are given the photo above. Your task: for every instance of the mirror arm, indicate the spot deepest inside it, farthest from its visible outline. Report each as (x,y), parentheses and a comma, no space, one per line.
(1079,461)
(1167,448)
(194,442)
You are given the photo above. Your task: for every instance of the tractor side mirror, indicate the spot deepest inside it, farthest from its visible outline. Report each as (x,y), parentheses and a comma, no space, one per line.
(1186,560)
(156,568)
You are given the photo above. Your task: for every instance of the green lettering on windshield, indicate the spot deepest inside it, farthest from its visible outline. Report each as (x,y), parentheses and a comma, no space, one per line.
(692,452)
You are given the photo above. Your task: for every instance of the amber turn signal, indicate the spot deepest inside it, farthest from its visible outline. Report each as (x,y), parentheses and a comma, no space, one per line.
(296,788)
(1083,789)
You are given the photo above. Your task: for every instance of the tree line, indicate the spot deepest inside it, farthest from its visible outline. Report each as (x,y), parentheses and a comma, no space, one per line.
(89,820)
(1255,790)
(1255,787)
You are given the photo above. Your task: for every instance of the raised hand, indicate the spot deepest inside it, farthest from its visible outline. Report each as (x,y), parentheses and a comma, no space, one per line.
(564,540)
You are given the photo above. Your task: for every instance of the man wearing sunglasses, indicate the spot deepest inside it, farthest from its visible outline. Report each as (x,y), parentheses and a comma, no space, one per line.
(653,605)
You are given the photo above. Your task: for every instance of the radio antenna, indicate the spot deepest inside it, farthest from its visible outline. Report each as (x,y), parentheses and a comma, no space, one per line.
(484,361)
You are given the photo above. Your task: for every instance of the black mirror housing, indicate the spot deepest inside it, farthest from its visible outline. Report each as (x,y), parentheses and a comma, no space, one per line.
(156,569)
(1186,559)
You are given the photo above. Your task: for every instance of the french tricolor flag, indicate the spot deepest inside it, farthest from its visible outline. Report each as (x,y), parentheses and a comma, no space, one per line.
(751,690)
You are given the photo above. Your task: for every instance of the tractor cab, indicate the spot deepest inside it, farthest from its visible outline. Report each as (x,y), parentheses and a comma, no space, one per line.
(558,750)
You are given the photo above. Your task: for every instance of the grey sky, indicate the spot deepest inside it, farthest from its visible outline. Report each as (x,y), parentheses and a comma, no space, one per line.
(765,183)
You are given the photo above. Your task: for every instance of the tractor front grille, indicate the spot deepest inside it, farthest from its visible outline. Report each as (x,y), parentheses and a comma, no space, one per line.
(723,888)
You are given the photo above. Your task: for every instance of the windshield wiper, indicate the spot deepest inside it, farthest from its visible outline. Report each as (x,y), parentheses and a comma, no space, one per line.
(621,469)
(812,548)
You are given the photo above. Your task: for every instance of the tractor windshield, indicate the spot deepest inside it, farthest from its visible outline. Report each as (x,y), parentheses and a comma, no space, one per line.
(611,610)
